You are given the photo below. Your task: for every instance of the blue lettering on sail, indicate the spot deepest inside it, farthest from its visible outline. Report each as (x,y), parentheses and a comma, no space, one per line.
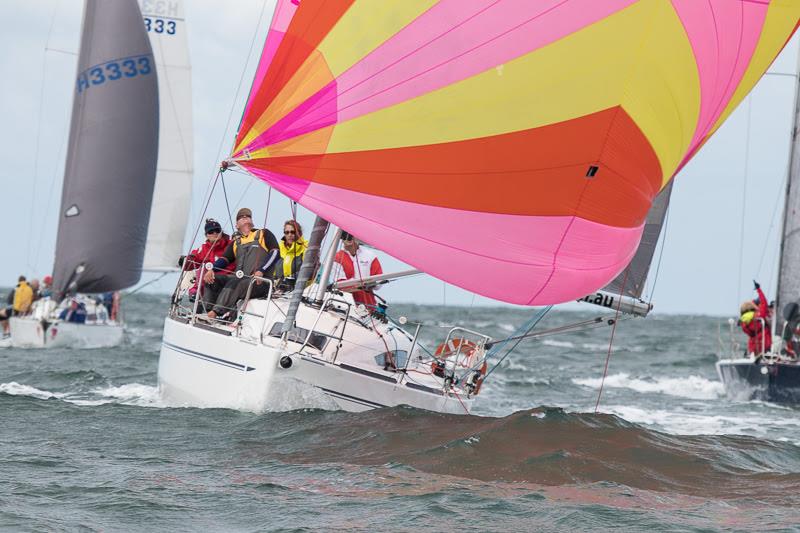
(161,25)
(116,69)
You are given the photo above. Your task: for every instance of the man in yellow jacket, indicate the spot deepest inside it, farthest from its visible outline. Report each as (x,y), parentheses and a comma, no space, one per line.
(23,297)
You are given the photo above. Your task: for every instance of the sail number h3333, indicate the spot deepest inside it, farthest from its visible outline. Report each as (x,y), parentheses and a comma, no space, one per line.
(116,69)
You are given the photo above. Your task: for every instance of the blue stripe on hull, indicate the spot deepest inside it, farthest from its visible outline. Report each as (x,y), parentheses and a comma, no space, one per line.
(208,358)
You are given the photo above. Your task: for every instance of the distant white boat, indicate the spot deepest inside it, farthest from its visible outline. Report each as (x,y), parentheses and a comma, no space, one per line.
(130,146)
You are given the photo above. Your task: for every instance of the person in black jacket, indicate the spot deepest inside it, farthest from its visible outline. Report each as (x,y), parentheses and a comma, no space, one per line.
(255,253)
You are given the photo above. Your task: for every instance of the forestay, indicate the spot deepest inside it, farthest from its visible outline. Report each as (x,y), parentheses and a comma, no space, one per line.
(113,146)
(512,148)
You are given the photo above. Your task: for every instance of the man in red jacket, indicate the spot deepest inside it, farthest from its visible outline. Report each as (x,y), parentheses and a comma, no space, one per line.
(355,262)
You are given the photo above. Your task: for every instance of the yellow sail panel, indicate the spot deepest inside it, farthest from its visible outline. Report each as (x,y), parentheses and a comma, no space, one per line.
(364,27)
(640,60)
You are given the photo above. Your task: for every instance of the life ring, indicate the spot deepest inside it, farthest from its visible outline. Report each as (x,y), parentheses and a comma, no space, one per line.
(455,346)
(458,346)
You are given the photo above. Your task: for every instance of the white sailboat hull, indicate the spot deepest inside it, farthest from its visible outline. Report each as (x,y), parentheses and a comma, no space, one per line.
(29,332)
(43,329)
(199,366)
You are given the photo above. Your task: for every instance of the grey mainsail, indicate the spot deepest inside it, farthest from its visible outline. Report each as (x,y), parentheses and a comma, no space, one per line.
(625,291)
(789,264)
(631,281)
(113,149)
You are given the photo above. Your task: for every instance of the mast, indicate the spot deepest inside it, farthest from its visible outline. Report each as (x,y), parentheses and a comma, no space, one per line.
(327,267)
(789,260)
(310,259)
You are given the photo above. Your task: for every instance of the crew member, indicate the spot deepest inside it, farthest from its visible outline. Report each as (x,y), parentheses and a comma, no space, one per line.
(754,319)
(23,297)
(293,246)
(357,262)
(216,243)
(254,252)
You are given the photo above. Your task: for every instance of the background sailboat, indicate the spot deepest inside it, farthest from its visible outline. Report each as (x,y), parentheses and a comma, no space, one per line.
(776,375)
(109,178)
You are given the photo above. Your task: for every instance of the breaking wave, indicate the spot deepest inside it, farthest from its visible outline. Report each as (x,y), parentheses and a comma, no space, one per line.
(128,394)
(692,387)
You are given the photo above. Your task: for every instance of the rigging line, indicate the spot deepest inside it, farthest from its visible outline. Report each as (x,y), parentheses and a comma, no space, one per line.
(233,104)
(241,196)
(47,212)
(210,188)
(781,193)
(269,201)
(610,344)
(249,54)
(39,134)
(227,205)
(213,185)
(744,200)
(60,51)
(534,323)
(137,289)
(241,79)
(469,309)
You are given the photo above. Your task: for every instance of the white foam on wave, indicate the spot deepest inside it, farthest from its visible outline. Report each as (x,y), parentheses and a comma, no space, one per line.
(692,387)
(594,346)
(507,327)
(128,394)
(680,422)
(290,395)
(16,389)
(557,343)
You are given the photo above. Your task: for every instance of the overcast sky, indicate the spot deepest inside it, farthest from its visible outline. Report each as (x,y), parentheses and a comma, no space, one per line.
(724,221)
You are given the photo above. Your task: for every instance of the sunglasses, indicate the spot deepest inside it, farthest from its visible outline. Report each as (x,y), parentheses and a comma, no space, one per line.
(290,232)
(213,231)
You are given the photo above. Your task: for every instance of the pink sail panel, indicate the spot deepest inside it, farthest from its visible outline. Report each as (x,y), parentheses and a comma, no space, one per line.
(284,11)
(509,147)
(500,253)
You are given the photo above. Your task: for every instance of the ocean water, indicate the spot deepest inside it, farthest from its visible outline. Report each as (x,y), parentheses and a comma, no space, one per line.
(87,445)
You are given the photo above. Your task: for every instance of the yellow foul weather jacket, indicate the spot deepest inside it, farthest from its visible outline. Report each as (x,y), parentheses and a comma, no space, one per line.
(290,253)
(23,297)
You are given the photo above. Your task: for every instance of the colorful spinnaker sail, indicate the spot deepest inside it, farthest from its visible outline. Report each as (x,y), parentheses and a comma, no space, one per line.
(510,147)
